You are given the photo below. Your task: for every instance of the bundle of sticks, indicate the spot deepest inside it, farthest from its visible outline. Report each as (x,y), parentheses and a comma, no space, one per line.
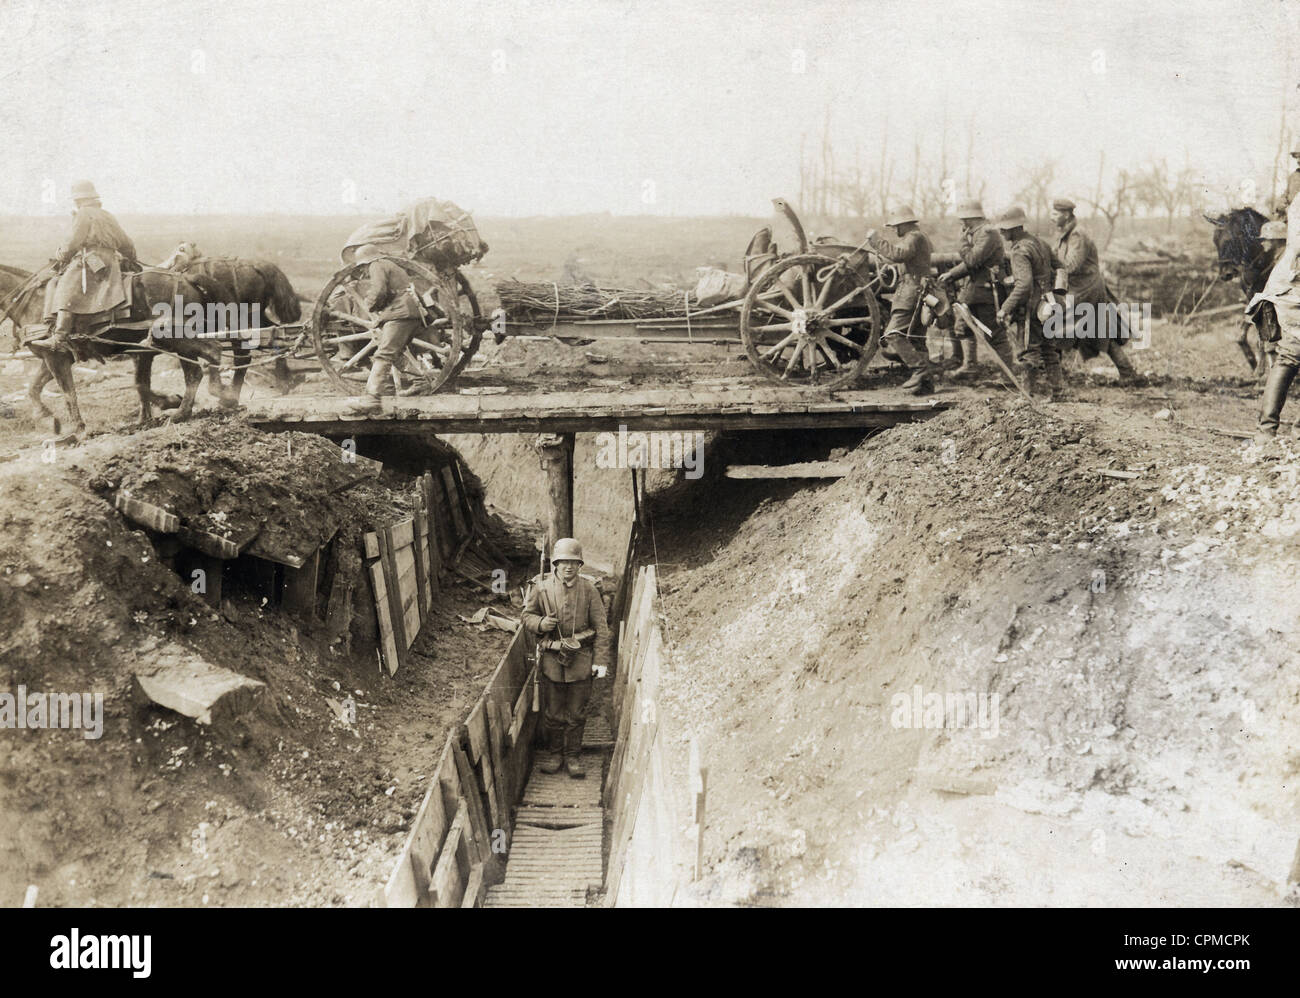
(524,300)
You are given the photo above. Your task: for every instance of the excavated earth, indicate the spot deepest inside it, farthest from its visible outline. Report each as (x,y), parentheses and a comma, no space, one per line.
(1127,650)
(1131,641)
(296,802)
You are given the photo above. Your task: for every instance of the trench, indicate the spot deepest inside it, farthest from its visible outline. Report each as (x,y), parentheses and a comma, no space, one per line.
(494,831)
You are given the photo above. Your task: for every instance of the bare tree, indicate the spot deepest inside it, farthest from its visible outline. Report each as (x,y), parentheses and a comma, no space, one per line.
(885,174)
(1119,203)
(1157,187)
(854,189)
(1034,194)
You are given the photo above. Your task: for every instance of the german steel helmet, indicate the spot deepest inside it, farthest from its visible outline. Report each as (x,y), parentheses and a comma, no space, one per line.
(970,208)
(1063,204)
(567,549)
(366,252)
(84,190)
(1273,230)
(1012,218)
(901,214)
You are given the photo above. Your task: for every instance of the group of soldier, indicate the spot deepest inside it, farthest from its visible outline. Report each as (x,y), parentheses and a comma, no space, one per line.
(991,251)
(1002,274)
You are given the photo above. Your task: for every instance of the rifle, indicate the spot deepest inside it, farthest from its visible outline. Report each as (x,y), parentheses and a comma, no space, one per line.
(537,642)
(964,311)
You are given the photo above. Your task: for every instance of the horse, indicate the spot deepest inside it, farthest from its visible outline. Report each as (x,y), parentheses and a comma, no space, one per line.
(257,284)
(1242,256)
(141,332)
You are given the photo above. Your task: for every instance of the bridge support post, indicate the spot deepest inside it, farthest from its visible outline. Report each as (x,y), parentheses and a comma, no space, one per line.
(556,452)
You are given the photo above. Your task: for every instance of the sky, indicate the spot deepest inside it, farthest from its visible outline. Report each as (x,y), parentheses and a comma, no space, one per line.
(668,107)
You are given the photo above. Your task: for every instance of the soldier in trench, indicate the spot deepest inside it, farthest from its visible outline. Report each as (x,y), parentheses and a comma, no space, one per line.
(565,613)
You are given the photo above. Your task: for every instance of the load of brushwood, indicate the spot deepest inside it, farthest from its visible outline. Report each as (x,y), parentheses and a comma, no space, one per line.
(526,301)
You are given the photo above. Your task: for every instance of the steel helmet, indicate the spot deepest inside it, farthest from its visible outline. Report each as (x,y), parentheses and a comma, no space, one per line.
(567,549)
(1012,218)
(1063,204)
(970,208)
(901,215)
(84,190)
(1273,230)
(366,252)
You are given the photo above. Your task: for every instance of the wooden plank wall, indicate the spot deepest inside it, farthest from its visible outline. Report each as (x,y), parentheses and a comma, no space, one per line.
(408,561)
(461,833)
(644,852)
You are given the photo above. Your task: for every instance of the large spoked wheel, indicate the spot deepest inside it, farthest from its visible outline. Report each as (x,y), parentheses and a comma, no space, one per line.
(467,305)
(346,333)
(811,323)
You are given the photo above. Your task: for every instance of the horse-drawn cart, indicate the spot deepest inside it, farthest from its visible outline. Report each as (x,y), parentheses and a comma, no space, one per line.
(808,319)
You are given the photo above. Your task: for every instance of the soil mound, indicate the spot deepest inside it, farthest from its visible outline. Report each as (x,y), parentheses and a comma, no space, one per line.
(979,670)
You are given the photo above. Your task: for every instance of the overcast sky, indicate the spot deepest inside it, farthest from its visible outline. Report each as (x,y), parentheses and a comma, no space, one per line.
(664,107)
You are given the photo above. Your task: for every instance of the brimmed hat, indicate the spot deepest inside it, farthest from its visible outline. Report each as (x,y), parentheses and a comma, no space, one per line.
(901,215)
(970,209)
(1012,218)
(84,190)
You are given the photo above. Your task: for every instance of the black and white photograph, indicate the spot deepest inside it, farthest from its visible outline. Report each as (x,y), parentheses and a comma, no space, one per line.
(625,454)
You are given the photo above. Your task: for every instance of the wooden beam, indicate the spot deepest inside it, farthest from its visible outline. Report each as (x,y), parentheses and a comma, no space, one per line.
(146,514)
(806,469)
(556,452)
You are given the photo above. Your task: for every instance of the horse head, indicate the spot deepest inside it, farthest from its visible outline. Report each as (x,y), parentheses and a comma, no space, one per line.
(182,256)
(1236,240)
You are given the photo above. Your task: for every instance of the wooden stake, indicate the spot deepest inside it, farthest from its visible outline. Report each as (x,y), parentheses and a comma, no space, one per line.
(556,451)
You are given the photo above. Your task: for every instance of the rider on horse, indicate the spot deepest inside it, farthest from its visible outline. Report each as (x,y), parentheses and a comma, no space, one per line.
(89,287)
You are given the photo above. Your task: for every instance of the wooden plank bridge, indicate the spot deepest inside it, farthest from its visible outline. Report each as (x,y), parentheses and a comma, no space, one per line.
(742,408)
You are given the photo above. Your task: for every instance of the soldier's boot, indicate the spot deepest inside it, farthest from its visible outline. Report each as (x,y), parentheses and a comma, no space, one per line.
(58,336)
(922,380)
(573,751)
(1270,408)
(1031,378)
(1053,376)
(549,759)
(1127,374)
(966,350)
(381,373)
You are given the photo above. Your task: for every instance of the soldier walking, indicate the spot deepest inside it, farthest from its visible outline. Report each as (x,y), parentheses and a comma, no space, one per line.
(1031,268)
(89,281)
(565,613)
(978,266)
(912,250)
(389,298)
(1283,291)
(1078,257)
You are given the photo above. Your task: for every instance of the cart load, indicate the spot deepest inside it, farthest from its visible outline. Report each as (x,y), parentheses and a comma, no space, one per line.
(431,231)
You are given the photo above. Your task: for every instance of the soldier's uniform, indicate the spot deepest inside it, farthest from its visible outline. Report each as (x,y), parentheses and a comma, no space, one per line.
(1031,268)
(912,252)
(1078,257)
(1283,291)
(1292,188)
(978,266)
(566,673)
(89,287)
(389,299)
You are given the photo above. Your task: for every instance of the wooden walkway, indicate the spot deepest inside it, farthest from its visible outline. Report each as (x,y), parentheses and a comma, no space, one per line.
(556,855)
(744,407)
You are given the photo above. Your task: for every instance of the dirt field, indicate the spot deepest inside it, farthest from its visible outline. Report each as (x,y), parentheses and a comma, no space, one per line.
(1146,750)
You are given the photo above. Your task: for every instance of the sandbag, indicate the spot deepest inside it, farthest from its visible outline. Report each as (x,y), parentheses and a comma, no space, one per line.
(717,286)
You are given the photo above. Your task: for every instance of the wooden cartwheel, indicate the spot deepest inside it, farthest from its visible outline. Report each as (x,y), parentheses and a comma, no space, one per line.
(811,320)
(345,332)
